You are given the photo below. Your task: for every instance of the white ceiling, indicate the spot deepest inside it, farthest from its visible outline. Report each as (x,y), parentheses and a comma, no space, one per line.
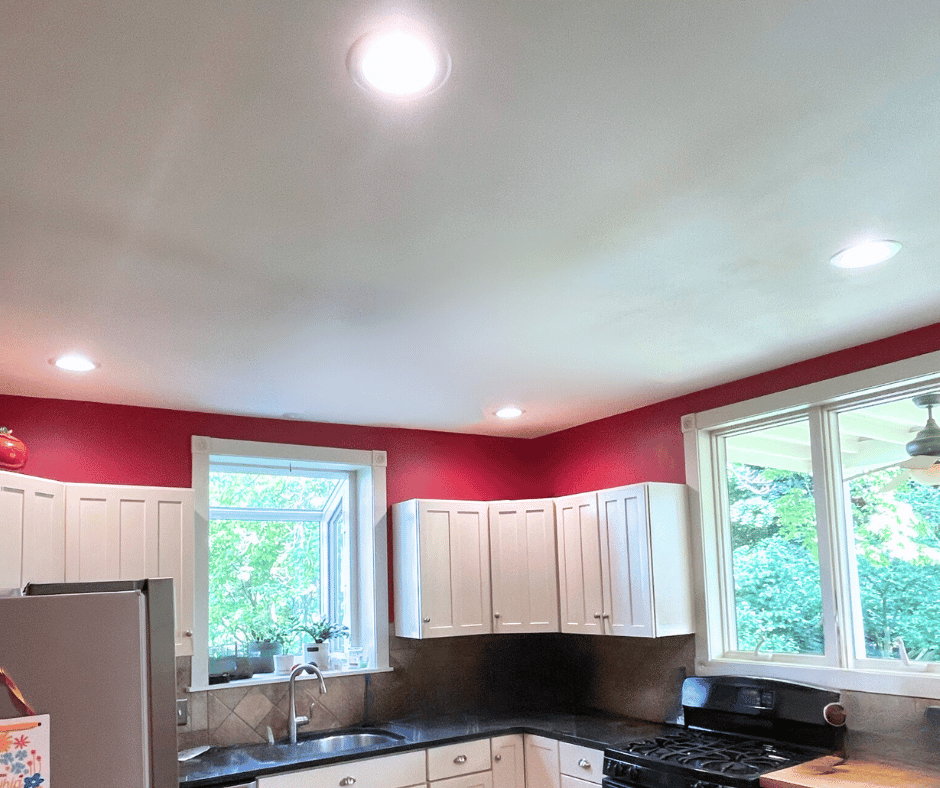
(608,203)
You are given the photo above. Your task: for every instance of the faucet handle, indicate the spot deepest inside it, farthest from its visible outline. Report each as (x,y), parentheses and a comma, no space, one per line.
(301,720)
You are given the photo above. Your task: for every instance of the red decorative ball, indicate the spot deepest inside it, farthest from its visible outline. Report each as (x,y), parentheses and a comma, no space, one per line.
(12,450)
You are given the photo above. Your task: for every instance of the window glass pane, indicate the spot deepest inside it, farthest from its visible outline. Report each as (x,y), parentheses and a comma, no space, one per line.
(271,491)
(774,549)
(894,516)
(267,577)
(264,579)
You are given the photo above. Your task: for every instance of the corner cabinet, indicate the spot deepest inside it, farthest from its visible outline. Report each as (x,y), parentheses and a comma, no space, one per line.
(624,561)
(442,568)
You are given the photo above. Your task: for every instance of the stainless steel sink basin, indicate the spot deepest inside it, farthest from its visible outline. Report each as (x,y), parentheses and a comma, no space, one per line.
(327,744)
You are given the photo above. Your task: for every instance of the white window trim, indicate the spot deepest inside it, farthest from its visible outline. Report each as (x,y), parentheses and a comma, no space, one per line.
(370,537)
(838,668)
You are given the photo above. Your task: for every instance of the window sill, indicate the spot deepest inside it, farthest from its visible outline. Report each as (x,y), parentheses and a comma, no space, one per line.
(919,682)
(274,678)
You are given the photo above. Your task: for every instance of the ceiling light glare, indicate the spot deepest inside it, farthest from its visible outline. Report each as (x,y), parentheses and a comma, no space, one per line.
(73,362)
(398,63)
(865,254)
(509,412)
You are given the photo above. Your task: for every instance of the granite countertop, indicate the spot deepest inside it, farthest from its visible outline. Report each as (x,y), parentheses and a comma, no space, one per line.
(225,766)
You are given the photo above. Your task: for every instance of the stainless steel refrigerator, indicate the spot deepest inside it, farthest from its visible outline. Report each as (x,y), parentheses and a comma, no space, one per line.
(99,659)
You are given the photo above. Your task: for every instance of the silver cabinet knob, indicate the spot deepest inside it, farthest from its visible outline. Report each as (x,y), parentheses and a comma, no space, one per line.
(427,620)
(584,763)
(597,615)
(347,781)
(188,633)
(460,759)
(606,615)
(497,757)
(495,615)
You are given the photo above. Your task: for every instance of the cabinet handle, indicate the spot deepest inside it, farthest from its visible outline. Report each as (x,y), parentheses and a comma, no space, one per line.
(606,615)
(460,759)
(426,620)
(584,763)
(347,781)
(597,615)
(497,757)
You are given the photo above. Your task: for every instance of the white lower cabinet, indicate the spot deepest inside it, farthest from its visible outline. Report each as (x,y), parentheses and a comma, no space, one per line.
(567,781)
(401,770)
(508,761)
(541,762)
(583,764)
(454,760)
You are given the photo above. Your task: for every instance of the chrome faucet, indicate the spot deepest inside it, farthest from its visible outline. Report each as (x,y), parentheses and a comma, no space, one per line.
(292,719)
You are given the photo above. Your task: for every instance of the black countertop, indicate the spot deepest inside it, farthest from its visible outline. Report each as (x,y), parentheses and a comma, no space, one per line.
(226,766)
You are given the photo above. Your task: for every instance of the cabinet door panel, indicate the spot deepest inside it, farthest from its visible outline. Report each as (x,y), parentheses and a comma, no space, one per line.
(541,762)
(626,562)
(523,566)
(579,564)
(453,760)
(479,780)
(508,761)
(390,771)
(44,538)
(12,524)
(584,763)
(455,575)
(92,538)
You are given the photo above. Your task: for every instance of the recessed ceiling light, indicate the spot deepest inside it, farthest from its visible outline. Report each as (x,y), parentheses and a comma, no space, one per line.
(509,412)
(398,62)
(73,362)
(865,254)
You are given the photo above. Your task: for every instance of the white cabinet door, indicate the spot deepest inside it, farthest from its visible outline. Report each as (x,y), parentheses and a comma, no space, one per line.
(508,761)
(646,560)
(579,564)
(32,530)
(116,532)
(523,566)
(628,601)
(583,763)
(541,762)
(442,568)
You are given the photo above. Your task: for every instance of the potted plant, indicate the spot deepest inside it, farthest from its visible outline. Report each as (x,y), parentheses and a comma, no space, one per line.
(265,639)
(319,632)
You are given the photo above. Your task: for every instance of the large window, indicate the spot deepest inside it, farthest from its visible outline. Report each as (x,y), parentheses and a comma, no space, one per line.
(286,536)
(279,555)
(819,528)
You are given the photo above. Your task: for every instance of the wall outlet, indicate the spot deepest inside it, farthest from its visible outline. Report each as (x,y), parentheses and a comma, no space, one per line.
(182,711)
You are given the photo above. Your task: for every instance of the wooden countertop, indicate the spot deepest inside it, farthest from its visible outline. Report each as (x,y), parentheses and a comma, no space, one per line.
(830,772)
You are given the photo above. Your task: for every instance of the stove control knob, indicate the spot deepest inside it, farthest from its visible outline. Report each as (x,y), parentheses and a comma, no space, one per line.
(633,772)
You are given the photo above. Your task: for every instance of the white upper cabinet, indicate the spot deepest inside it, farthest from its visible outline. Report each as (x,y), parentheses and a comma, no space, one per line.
(442,568)
(118,532)
(32,530)
(523,567)
(624,561)
(579,565)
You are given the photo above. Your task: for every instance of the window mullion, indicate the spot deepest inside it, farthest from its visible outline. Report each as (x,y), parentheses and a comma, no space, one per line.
(827,487)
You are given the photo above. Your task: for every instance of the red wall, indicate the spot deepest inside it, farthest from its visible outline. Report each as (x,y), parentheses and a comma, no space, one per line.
(119,444)
(645,445)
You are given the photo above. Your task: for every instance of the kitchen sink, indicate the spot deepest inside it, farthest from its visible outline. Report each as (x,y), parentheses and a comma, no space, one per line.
(326,744)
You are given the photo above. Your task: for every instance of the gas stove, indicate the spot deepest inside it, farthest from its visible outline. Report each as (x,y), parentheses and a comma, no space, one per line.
(735,729)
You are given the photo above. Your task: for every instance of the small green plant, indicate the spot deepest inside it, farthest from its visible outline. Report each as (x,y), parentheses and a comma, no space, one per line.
(322,630)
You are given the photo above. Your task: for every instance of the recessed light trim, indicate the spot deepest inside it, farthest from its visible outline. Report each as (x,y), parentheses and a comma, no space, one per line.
(74,362)
(509,412)
(865,254)
(398,62)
